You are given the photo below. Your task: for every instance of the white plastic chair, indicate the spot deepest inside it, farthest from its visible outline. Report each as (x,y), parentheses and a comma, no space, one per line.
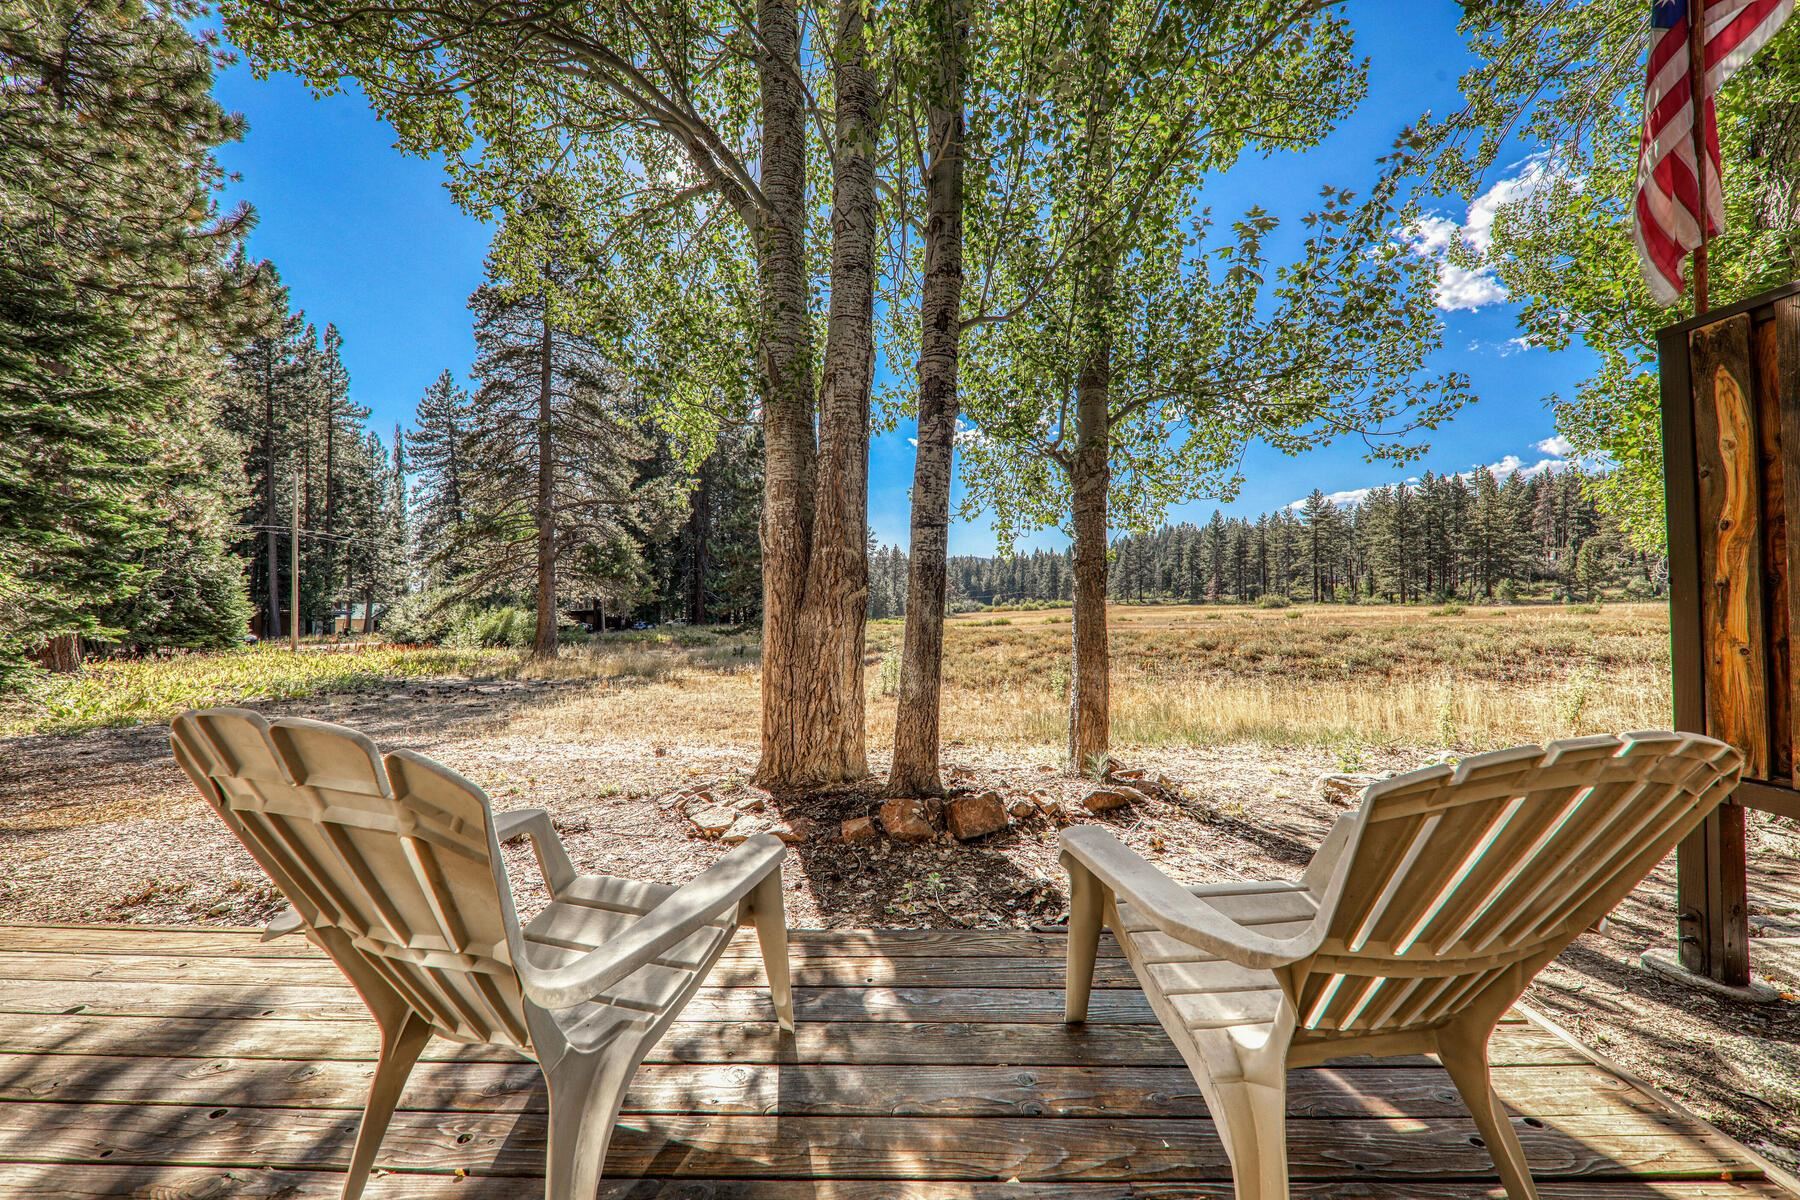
(1418,924)
(392,865)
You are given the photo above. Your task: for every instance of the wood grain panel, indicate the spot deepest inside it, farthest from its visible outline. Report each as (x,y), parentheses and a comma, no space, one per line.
(1778,597)
(1778,378)
(1725,446)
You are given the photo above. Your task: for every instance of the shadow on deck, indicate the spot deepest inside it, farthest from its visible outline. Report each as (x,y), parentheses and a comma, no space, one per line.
(199,1064)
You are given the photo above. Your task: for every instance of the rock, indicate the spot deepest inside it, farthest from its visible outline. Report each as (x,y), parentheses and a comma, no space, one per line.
(798,830)
(970,817)
(1022,808)
(711,820)
(1105,799)
(752,803)
(858,829)
(907,820)
(742,830)
(1345,790)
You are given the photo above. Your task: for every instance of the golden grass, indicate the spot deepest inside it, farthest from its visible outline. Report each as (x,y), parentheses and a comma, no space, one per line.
(130,692)
(1328,675)
(1472,679)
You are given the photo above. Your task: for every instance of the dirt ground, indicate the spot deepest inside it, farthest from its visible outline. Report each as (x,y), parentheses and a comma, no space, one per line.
(102,827)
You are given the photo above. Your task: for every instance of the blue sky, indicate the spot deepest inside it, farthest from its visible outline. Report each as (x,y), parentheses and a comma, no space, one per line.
(368,238)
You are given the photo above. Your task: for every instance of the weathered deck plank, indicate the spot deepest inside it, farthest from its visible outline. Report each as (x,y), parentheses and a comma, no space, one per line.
(865,1042)
(816,1090)
(192,1064)
(190,1183)
(1074,1149)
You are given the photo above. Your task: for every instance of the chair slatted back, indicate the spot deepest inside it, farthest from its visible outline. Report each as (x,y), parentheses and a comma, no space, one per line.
(1462,883)
(385,859)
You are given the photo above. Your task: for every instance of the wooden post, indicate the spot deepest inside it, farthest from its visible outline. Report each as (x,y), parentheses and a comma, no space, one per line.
(1731,445)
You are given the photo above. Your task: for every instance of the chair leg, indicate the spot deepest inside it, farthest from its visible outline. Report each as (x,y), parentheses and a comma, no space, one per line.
(1251,1116)
(1085,902)
(1464,1053)
(768,911)
(586,1093)
(400,1048)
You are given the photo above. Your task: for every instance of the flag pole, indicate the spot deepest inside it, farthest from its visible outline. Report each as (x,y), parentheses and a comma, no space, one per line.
(1696,19)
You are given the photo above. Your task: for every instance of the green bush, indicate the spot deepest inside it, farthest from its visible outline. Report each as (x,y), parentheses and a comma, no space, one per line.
(1273,600)
(419,618)
(506,627)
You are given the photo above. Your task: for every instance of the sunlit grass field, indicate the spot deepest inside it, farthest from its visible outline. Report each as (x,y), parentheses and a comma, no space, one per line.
(1314,675)
(127,692)
(1464,678)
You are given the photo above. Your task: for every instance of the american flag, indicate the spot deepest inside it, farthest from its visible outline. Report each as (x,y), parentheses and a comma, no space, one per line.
(1668,212)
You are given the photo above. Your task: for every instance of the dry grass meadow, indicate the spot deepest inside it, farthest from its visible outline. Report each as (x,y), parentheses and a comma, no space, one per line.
(1451,678)
(1334,676)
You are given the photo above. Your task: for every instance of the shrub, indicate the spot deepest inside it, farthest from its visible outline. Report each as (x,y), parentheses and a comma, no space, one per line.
(419,618)
(1273,600)
(507,627)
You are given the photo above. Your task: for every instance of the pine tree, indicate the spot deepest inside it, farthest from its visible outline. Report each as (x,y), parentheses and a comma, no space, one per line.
(121,282)
(438,449)
(556,506)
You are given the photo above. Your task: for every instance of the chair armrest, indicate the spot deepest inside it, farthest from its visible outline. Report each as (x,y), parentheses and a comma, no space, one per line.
(1175,910)
(1325,858)
(710,894)
(553,859)
(283,924)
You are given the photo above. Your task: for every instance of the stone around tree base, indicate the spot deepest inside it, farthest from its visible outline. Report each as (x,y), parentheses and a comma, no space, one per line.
(908,820)
(1668,965)
(970,817)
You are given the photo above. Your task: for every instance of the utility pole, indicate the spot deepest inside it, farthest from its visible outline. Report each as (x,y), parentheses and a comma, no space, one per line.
(294,571)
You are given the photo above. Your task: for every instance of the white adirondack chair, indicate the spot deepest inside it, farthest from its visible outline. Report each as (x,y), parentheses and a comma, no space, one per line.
(1415,928)
(392,865)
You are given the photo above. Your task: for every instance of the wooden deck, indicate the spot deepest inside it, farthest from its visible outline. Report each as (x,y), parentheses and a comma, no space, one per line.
(197,1064)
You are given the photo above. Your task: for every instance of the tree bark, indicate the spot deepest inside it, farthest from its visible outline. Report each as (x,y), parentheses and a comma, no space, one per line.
(699,530)
(271,518)
(1090,713)
(544,644)
(815,508)
(915,766)
(1090,464)
(61,654)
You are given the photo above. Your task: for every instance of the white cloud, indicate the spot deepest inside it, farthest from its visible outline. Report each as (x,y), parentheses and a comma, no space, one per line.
(1556,450)
(1348,499)
(1464,288)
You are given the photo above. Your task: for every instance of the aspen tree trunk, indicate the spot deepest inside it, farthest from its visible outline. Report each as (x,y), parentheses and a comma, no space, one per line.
(915,767)
(1090,729)
(1090,714)
(815,505)
(544,644)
